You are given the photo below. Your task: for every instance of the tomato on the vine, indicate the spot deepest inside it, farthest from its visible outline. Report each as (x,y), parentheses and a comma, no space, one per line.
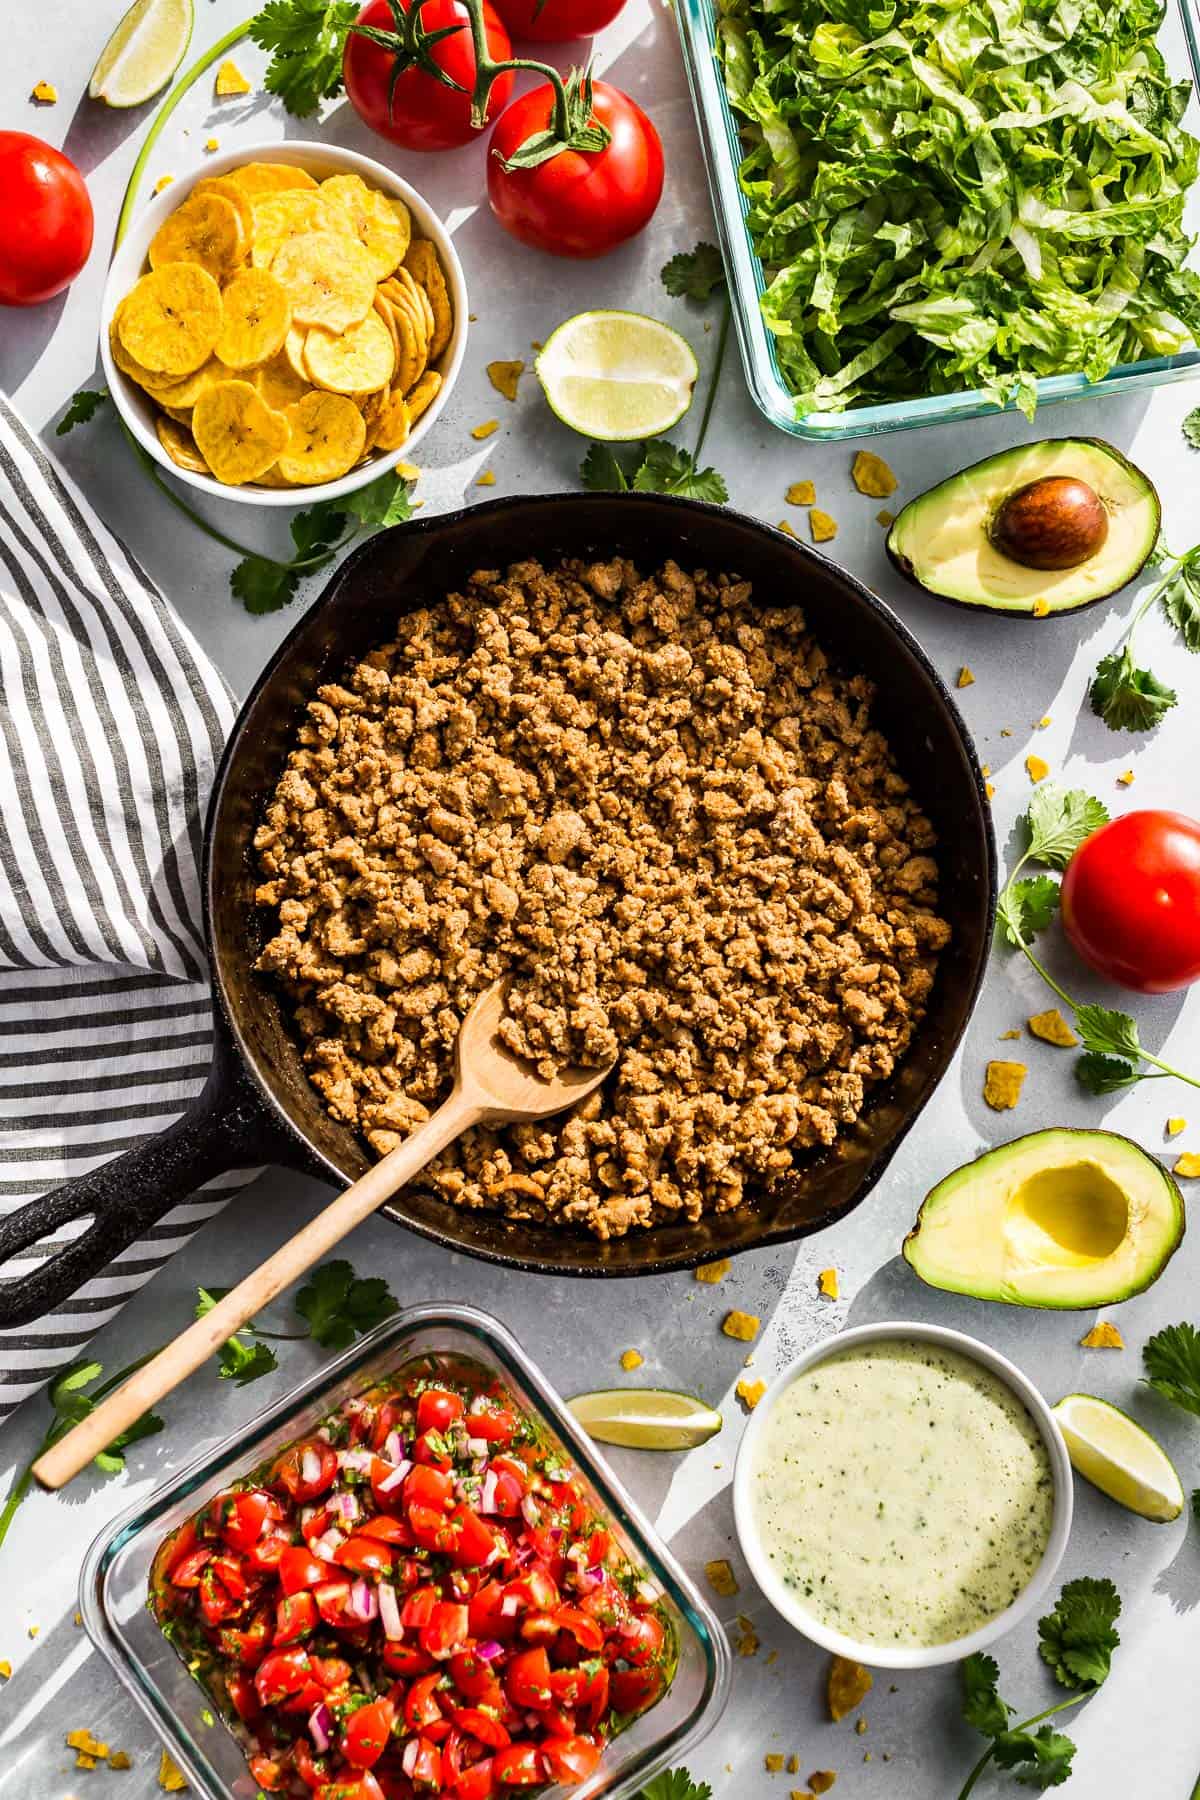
(576,201)
(415,109)
(1131,900)
(554,21)
(46,220)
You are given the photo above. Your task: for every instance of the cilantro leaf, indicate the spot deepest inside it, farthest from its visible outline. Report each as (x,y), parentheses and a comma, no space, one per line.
(263,586)
(306,39)
(320,527)
(603,471)
(1107,1033)
(1078,1638)
(70,1405)
(1105,1074)
(666,469)
(982,1706)
(1171,1359)
(694,274)
(84,406)
(1191,428)
(1026,907)
(1181,603)
(1128,698)
(1049,1752)
(387,501)
(1058,821)
(675,1784)
(338,1304)
(237,1361)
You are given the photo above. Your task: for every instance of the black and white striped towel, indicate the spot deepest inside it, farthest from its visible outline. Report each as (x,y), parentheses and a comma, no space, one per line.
(111,723)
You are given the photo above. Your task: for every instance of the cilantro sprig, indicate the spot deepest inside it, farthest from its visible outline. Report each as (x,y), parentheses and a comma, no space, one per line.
(675,1784)
(306,39)
(1126,696)
(1171,1359)
(655,466)
(84,404)
(1056,823)
(1076,1642)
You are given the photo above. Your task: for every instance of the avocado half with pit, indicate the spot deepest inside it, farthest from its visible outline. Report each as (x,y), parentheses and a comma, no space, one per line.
(1045,528)
(1061,1218)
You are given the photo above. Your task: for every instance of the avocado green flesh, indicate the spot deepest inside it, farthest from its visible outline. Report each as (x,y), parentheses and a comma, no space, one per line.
(1060,1218)
(941,538)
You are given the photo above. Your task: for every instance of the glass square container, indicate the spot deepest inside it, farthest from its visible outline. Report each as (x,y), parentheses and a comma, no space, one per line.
(114,1583)
(722,148)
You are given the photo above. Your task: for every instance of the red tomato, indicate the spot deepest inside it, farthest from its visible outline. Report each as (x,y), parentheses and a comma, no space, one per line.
(476,1541)
(426,1770)
(585,1631)
(570,1759)
(447,1629)
(365,1555)
(295,1617)
(405,1659)
(481,1725)
(366,1732)
(299,1568)
(639,1640)
(268,1773)
(333,1604)
(1131,901)
(307,1470)
(245,1702)
(364,1788)
(633,1690)
(554,21)
(527,1681)
(487,1419)
(331,1671)
(421,1707)
(424,1486)
(475,1783)
(187,1571)
(283,1673)
(520,1765)
(420,112)
(426,1452)
(437,1410)
(242,1517)
(45,220)
(579,202)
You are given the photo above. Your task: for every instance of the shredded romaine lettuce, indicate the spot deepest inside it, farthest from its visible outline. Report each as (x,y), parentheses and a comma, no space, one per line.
(953,194)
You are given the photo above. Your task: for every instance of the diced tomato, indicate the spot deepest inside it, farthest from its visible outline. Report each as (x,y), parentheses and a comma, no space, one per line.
(268,1773)
(534,1591)
(476,1541)
(472,1675)
(599,1548)
(569,1759)
(333,1604)
(405,1659)
(366,1556)
(364,1787)
(481,1725)
(248,1646)
(266,1556)
(633,1690)
(640,1640)
(510,1491)
(243,1696)
(299,1568)
(584,1630)
(487,1419)
(488,1618)
(426,1486)
(186,1572)
(230,1570)
(314,1771)
(476,1783)
(428,1453)
(418,1608)
(447,1630)
(283,1674)
(295,1617)
(216,1602)
(315,1456)
(366,1732)
(331,1672)
(421,1707)
(387,1530)
(433,1530)
(389,1418)
(426,1769)
(527,1679)
(520,1765)
(242,1516)
(437,1409)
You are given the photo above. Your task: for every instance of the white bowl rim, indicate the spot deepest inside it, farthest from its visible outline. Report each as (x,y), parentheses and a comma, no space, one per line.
(127,264)
(907,1656)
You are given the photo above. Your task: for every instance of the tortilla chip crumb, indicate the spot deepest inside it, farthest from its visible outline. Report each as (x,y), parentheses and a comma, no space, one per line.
(472,317)
(87,1745)
(822,526)
(1102,1336)
(827,1284)
(793,1764)
(872,476)
(5,1670)
(821,1780)
(211,144)
(1187,1165)
(45,93)
(1002,1084)
(1052,1028)
(84,1761)
(230,80)
(741,1325)
(747,1643)
(989,788)
(846,1686)
(631,1359)
(860,1725)
(79,1618)
(1036,768)
(504,377)
(714,1271)
(1175,1126)
(1005,731)
(884,517)
(1043,722)
(487,479)
(120,1759)
(785,528)
(33,1630)
(966,677)
(985,768)
(486,429)
(171,1778)
(406,471)
(800,1794)
(1127,779)
(536,344)
(773,1762)
(801,493)
(721,1578)
(772,1656)
(751,1392)
(1005,1035)
(164,181)
(1040,608)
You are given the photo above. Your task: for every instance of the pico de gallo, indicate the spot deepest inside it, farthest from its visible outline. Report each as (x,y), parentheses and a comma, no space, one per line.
(417,1600)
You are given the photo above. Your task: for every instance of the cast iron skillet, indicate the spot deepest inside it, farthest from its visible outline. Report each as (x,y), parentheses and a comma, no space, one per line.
(258,1105)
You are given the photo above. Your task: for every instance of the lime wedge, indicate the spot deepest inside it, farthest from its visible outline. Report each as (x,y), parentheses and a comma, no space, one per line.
(646,1418)
(143,52)
(617,375)
(1118,1457)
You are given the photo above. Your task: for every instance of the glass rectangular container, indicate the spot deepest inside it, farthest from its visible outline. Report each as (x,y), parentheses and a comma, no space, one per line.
(721,144)
(114,1581)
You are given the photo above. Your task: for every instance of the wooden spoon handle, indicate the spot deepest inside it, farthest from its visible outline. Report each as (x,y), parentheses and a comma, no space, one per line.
(194,1346)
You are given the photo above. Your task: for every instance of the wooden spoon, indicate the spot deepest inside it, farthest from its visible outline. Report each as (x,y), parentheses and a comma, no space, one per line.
(491,1087)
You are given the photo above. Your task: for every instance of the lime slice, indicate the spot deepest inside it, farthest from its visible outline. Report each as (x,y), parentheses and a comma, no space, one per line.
(617,375)
(143,52)
(1118,1457)
(646,1418)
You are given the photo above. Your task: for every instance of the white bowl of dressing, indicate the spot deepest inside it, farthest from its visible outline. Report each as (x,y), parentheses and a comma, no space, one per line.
(903,1480)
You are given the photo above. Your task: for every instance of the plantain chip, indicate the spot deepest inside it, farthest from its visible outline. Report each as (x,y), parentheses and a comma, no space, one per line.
(421,261)
(393,424)
(373,406)
(327,438)
(186,392)
(204,229)
(270,178)
(328,278)
(237,198)
(279,384)
(375,224)
(382,306)
(271,478)
(256,318)
(419,300)
(423,394)
(411,361)
(280,217)
(180,445)
(293,349)
(170,320)
(357,361)
(237,433)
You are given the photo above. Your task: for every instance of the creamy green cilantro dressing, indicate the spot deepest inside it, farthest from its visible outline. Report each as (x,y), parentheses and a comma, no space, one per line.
(902,1492)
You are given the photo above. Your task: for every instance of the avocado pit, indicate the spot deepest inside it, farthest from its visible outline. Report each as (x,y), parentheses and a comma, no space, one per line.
(1057,522)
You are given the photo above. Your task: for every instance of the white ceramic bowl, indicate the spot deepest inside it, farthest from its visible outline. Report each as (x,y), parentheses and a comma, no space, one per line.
(882,1656)
(136,407)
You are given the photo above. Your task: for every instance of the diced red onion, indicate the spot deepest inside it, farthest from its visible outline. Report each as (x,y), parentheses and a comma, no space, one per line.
(326,1547)
(394,1478)
(489,1651)
(510,1606)
(393,1447)
(649,1591)
(354,1406)
(389,1612)
(309,1513)
(487,1499)
(408,1761)
(363,1603)
(530,1511)
(346,1506)
(325,1435)
(477,1446)
(310,1467)
(559,1475)
(358,1460)
(479,1465)
(320,1726)
(586,1579)
(629,1628)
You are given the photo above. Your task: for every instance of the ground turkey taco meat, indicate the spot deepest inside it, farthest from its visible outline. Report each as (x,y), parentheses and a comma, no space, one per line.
(651,803)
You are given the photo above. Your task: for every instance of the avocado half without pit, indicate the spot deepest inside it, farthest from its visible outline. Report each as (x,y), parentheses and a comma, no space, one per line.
(1060,1218)
(1044,528)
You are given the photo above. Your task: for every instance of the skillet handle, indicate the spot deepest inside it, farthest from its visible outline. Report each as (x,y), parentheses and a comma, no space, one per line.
(225,1127)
